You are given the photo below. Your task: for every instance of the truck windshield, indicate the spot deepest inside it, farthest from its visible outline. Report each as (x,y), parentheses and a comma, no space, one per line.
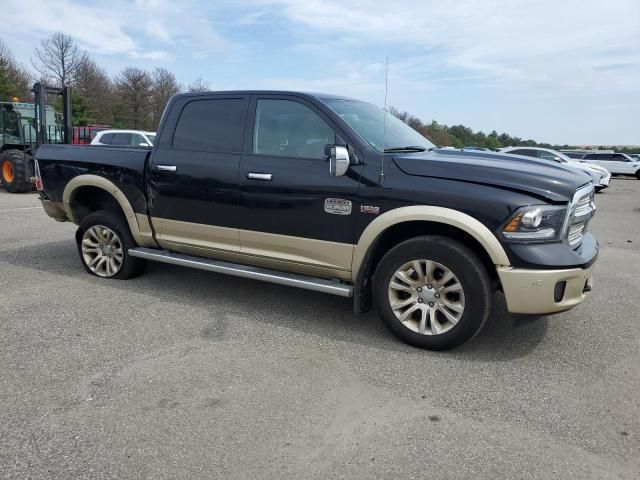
(369,122)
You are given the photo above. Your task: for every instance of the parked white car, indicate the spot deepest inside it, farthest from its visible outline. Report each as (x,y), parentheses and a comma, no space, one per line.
(133,138)
(599,175)
(616,163)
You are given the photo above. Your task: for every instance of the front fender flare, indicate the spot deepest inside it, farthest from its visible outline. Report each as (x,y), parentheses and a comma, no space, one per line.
(447,216)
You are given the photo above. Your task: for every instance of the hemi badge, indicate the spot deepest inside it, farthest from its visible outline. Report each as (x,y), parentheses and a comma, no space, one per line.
(369,209)
(337,206)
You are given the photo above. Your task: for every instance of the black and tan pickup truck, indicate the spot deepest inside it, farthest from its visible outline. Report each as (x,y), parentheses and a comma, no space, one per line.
(331,194)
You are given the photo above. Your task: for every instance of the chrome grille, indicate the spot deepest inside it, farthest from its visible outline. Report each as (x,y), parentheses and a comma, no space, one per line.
(583,207)
(580,212)
(576,232)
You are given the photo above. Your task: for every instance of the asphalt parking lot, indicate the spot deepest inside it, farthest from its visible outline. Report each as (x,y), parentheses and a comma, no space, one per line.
(189,374)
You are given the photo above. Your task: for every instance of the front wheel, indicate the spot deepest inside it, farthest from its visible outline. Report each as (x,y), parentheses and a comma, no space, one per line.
(433,292)
(638,174)
(104,241)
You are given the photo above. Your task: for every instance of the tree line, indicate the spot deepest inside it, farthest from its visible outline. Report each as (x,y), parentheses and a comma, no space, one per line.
(459,136)
(135,98)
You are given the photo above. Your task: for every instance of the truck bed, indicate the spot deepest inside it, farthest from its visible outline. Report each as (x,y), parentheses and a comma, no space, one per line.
(123,166)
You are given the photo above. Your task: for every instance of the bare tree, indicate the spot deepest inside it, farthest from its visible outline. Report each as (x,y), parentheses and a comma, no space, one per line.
(96,88)
(165,86)
(198,85)
(134,93)
(14,79)
(58,58)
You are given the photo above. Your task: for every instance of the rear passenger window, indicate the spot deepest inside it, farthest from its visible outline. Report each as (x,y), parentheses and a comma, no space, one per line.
(121,139)
(107,138)
(597,156)
(285,128)
(525,152)
(211,125)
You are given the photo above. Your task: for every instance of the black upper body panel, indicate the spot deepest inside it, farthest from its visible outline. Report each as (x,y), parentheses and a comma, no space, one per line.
(549,181)
(123,166)
(487,186)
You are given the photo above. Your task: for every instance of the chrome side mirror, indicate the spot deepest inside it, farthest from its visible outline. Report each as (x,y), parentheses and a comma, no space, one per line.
(338,161)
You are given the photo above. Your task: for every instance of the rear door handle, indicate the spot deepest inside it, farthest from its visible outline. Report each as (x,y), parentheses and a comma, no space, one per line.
(260,176)
(167,168)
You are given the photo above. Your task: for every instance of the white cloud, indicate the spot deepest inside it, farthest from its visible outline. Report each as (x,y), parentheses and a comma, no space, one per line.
(97,30)
(121,27)
(515,41)
(151,55)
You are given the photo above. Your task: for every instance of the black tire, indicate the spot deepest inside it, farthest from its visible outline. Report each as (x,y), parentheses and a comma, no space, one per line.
(463,263)
(638,174)
(13,171)
(130,266)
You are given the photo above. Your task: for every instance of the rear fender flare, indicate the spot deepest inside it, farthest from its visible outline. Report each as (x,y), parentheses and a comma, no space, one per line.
(138,223)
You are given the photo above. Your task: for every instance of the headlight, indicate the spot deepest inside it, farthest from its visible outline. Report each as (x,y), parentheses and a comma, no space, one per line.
(535,223)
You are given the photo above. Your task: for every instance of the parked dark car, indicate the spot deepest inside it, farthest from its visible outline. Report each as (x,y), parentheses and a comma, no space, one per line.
(297,189)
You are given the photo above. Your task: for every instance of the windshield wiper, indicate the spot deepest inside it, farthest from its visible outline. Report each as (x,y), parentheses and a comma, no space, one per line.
(410,148)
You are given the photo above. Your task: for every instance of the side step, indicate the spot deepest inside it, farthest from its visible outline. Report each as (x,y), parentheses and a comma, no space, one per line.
(256,273)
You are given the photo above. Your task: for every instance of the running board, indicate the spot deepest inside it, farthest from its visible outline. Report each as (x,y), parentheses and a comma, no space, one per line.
(256,273)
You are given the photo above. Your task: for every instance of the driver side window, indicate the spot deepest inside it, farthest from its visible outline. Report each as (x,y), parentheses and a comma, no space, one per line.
(285,128)
(546,155)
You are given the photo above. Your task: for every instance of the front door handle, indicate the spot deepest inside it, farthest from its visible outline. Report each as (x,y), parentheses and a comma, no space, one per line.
(167,168)
(260,176)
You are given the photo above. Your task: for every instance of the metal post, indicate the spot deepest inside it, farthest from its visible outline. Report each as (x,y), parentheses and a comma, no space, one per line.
(66,115)
(40,102)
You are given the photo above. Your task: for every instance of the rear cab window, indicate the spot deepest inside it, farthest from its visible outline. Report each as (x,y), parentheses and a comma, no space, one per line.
(211,125)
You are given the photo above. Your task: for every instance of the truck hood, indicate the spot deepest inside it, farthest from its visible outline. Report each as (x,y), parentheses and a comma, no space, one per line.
(540,178)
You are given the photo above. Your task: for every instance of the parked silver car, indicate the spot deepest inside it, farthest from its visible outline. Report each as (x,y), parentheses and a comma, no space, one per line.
(600,176)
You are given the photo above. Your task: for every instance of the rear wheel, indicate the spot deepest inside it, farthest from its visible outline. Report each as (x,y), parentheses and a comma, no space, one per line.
(13,171)
(104,241)
(432,292)
(638,174)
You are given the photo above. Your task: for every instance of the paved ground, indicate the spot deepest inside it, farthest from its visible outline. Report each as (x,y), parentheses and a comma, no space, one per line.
(183,374)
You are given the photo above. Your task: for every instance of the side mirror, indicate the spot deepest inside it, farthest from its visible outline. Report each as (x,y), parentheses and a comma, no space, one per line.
(338,161)
(143,144)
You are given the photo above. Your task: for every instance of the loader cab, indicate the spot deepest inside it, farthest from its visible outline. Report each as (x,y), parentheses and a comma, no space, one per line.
(26,126)
(10,127)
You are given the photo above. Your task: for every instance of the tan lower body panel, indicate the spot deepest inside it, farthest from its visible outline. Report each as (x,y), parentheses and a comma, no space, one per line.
(144,231)
(333,255)
(532,291)
(278,252)
(196,234)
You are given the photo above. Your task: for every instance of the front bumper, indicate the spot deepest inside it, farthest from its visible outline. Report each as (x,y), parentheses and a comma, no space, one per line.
(604,181)
(534,291)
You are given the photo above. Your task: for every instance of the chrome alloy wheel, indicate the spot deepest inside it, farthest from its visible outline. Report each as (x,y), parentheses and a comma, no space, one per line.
(102,251)
(426,297)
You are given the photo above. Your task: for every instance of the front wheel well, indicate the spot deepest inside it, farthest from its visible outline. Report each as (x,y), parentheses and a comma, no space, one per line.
(89,199)
(400,232)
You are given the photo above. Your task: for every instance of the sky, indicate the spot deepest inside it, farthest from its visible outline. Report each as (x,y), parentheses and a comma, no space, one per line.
(557,71)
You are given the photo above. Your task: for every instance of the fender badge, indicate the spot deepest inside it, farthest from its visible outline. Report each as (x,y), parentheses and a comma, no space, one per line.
(337,206)
(369,209)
